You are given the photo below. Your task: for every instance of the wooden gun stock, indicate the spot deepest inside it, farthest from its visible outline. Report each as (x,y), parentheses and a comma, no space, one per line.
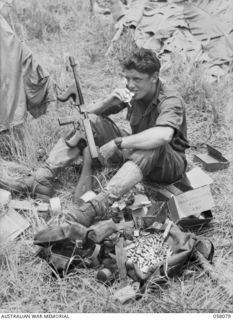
(71,92)
(90,138)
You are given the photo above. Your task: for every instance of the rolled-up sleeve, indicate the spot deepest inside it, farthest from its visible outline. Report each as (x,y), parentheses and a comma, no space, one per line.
(115,109)
(171,113)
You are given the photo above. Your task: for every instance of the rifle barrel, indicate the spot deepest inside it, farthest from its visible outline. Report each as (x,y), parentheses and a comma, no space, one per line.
(73,66)
(82,108)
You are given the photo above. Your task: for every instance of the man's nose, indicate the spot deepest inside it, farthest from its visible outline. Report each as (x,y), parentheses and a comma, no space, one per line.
(130,85)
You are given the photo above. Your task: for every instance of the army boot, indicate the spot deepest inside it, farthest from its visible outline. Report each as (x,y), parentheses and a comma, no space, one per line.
(32,185)
(125,178)
(99,207)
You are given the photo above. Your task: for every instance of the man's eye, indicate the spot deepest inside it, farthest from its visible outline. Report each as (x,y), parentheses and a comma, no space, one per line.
(134,80)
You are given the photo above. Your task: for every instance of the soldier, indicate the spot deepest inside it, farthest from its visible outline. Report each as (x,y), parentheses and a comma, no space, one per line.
(155,149)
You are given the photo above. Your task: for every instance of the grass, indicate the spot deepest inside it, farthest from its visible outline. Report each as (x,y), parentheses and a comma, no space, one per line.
(27,284)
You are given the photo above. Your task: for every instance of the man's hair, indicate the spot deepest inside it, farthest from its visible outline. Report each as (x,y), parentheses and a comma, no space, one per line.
(142,60)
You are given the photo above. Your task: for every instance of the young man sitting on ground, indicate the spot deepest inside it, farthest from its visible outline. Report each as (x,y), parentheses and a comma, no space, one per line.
(155,151)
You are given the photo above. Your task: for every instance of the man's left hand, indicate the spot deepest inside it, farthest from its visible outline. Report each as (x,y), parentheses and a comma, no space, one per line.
(106,151)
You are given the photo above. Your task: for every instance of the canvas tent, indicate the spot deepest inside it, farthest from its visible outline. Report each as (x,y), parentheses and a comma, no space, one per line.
(24,84)
(201,30)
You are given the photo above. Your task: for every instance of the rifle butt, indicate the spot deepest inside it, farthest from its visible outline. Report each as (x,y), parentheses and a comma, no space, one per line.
(90,138)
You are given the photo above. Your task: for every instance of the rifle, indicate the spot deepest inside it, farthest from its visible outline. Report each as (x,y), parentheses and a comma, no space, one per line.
(86,124)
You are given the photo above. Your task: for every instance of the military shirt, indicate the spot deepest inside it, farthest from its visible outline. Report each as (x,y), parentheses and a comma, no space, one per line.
(165,109)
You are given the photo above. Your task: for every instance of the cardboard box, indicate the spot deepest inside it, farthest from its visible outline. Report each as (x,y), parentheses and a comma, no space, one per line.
(12,224)
(189,200)
(5,197)
(213,160)
(192,203)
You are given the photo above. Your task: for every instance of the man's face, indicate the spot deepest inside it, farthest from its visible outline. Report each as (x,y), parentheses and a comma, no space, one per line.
(141,84)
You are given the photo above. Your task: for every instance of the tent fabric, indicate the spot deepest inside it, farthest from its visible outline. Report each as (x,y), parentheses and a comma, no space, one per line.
(199,29)
(24,85)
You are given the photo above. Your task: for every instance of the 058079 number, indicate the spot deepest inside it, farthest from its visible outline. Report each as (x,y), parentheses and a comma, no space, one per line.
(222,316)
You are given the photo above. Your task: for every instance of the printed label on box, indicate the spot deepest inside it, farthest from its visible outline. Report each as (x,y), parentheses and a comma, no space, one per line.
(192,202)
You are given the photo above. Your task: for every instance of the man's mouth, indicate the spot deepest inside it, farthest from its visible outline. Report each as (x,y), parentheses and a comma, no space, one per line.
(133,93)
(130,96)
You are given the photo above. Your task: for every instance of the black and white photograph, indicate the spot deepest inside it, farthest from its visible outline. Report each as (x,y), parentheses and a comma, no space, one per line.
(116,151)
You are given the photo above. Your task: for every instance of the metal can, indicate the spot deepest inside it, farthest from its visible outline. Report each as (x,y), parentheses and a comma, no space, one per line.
(105,276)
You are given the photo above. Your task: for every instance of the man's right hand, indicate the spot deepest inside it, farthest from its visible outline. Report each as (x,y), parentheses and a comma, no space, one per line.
(117,96)
(121,94)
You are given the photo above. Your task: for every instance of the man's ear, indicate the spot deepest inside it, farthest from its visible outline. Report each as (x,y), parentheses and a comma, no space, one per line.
(154,77)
